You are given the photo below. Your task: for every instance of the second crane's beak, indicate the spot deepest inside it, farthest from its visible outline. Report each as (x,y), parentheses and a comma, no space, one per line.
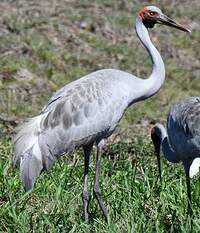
(157,143)
(163,19)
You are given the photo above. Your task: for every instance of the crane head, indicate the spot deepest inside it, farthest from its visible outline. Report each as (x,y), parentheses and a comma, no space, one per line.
(151,15)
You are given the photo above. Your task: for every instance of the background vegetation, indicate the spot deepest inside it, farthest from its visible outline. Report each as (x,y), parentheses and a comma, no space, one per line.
(46,44)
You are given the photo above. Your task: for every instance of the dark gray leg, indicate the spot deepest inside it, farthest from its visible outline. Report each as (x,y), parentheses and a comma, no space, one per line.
(96,188)
(187,169)
(86,197)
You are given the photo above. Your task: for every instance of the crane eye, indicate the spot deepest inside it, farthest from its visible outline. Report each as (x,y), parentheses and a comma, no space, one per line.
(152,13)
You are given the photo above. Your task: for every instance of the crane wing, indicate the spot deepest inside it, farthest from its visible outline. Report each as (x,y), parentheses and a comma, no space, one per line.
(80,113)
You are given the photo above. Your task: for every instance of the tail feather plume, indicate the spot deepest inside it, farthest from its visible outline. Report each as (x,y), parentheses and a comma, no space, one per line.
(30,169)
(27,151)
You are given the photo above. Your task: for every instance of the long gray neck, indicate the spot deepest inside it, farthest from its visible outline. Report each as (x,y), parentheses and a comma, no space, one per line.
(151,85)
(168,151)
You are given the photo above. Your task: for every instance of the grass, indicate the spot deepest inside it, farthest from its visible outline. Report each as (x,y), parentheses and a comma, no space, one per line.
(57,42)
(136,200)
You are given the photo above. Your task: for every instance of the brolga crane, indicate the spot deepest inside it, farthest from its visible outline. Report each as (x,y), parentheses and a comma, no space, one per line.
(86,111)
(181,140)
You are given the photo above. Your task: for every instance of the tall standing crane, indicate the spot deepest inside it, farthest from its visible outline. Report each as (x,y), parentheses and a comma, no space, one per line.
(181,141)
(86,111)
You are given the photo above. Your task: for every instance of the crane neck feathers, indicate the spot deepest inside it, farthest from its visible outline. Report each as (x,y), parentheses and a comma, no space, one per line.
(157,77)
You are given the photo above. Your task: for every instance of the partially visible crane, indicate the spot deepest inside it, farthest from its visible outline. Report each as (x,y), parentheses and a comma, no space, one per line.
(181,141)
(87,111)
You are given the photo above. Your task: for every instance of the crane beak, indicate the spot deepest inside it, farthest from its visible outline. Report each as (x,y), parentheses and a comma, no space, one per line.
(163,19)
(157,143)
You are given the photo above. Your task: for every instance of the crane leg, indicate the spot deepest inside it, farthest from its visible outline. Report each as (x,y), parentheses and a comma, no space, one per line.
(96,188)
(86,197)
(187,168)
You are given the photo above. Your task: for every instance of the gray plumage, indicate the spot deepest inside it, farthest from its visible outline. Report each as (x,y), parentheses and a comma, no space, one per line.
(30,169)
(85,112)
(181,141)
(183,125)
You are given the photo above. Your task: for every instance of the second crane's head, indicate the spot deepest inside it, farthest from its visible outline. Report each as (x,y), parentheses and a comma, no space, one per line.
(151,15)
